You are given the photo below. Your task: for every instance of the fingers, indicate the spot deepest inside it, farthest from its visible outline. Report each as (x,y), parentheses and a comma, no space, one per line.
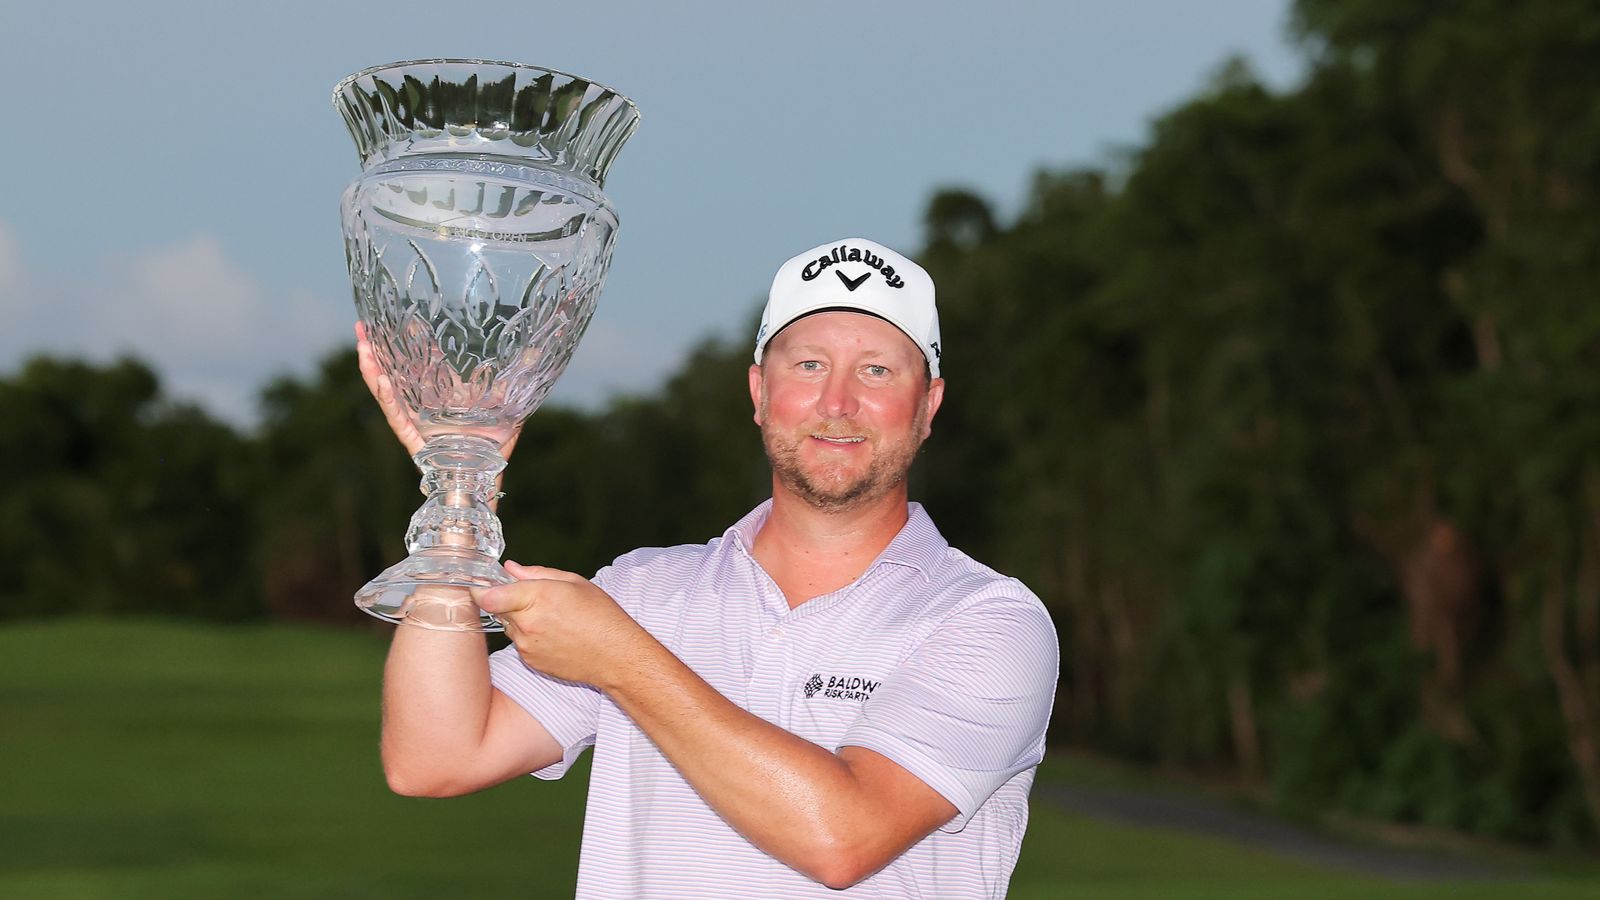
(385,393)
(371,372)
(367,362)
(381,386)
(509,599)
(540,573)
(510,444)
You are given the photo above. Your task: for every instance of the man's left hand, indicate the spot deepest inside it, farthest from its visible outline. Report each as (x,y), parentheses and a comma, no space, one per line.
(562,624)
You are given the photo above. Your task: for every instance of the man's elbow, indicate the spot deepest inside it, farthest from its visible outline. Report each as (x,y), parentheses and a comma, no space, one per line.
(843,858)
(410,786)
(423,781)
(844,871)
(840,877)
(839,864)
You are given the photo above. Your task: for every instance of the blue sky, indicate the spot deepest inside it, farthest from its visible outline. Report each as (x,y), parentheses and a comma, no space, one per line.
(172,170)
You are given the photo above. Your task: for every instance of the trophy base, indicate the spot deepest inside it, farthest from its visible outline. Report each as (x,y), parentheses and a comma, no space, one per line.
(430,588)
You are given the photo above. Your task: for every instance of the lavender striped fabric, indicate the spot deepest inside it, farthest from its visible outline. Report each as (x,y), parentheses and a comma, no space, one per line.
(932,660)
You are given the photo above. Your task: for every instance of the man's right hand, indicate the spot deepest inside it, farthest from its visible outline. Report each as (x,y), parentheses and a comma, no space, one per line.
(382,389)
(394,411)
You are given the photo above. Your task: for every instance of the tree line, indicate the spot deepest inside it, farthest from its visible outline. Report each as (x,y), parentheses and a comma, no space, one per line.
(1292,416)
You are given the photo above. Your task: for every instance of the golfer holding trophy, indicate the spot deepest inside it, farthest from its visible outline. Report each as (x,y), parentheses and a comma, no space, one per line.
(826,697)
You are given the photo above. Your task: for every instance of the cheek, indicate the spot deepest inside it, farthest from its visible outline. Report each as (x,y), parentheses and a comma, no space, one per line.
(786,403)
(892,411)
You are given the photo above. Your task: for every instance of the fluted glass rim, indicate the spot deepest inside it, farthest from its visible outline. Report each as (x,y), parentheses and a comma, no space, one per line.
(385,127)
(469,61)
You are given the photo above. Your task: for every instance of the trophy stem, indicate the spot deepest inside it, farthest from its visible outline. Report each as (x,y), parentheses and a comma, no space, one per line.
(454,539)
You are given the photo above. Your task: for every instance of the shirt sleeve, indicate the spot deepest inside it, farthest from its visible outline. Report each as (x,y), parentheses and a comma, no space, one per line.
(568,710)
(968,709)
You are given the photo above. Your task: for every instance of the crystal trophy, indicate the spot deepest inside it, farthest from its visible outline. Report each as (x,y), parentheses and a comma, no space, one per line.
(477,237)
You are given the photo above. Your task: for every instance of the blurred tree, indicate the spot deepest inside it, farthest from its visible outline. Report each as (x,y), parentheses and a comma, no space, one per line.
(957,219)
(1301,349)
(1499,97)
(117,497)
(338,492)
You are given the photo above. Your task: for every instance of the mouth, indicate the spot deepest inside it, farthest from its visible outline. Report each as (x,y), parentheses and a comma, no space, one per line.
(842,441)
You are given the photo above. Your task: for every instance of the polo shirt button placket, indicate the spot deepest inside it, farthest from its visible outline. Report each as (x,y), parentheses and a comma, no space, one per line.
(766,675)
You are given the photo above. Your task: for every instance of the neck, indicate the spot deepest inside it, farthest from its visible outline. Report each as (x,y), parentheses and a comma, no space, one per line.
(809,552)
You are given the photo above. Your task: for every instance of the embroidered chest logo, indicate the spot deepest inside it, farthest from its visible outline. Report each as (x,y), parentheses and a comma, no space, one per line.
(840,687)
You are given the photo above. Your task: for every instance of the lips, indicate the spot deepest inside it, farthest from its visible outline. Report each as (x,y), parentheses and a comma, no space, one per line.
(842,441)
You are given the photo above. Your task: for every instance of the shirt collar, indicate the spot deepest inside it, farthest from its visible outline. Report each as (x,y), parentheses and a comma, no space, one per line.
(919,545)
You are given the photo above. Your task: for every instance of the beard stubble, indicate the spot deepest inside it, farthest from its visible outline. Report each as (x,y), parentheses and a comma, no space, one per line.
(829,488)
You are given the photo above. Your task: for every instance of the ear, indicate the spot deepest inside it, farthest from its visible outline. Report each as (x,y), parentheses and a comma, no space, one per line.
(931,403)
(755,392)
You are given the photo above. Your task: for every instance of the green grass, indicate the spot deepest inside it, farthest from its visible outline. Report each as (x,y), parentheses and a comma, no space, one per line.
(158,760)
(150,759)
(1066,857)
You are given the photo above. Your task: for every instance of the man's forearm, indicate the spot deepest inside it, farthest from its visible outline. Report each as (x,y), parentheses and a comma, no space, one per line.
(835,817)
(799,802)
(435,709)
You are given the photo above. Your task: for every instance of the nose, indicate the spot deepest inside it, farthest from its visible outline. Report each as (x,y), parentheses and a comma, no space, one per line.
(838,399)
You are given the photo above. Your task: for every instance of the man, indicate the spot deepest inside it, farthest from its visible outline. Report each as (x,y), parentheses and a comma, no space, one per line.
(825,696)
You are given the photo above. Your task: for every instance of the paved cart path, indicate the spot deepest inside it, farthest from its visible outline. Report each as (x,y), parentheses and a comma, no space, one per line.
(1199,815)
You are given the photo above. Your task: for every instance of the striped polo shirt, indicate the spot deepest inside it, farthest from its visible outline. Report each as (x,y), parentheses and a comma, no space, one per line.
(929,658)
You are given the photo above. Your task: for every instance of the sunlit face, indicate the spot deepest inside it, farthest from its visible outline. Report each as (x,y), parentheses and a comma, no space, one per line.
(844,403)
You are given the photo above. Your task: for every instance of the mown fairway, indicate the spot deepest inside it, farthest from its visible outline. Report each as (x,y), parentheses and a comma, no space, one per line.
(142,759)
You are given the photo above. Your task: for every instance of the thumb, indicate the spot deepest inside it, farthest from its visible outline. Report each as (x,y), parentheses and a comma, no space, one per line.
(545,573)
(502,598)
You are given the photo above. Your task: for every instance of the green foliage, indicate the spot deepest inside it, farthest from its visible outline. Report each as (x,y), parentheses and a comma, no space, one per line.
(1290,426)
(115,497)
(676,467)
(337,492)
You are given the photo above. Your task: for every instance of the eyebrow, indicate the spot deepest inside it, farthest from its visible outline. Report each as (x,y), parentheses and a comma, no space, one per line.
(823,351)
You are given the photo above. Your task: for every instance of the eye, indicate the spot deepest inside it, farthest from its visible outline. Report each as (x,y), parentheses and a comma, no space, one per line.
(810,365)
(878,371)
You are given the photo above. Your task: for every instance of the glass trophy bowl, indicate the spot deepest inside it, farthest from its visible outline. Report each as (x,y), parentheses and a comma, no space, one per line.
(477,238)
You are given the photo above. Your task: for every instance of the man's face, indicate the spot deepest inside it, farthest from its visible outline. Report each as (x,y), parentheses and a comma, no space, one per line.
(843,403)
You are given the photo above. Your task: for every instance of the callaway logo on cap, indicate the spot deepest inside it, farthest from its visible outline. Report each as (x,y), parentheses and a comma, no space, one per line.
(858,275)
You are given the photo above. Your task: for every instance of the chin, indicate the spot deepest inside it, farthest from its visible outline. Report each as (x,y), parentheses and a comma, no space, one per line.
(836,480)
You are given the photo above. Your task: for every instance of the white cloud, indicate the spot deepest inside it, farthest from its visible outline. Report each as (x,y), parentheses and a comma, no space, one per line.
(214,332)
(186,298)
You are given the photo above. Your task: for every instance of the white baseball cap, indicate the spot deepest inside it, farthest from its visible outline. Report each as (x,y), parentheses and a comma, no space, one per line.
(855,275)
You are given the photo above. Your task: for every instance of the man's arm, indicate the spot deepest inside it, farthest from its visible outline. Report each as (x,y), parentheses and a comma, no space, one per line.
(835,817)
(446,731)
